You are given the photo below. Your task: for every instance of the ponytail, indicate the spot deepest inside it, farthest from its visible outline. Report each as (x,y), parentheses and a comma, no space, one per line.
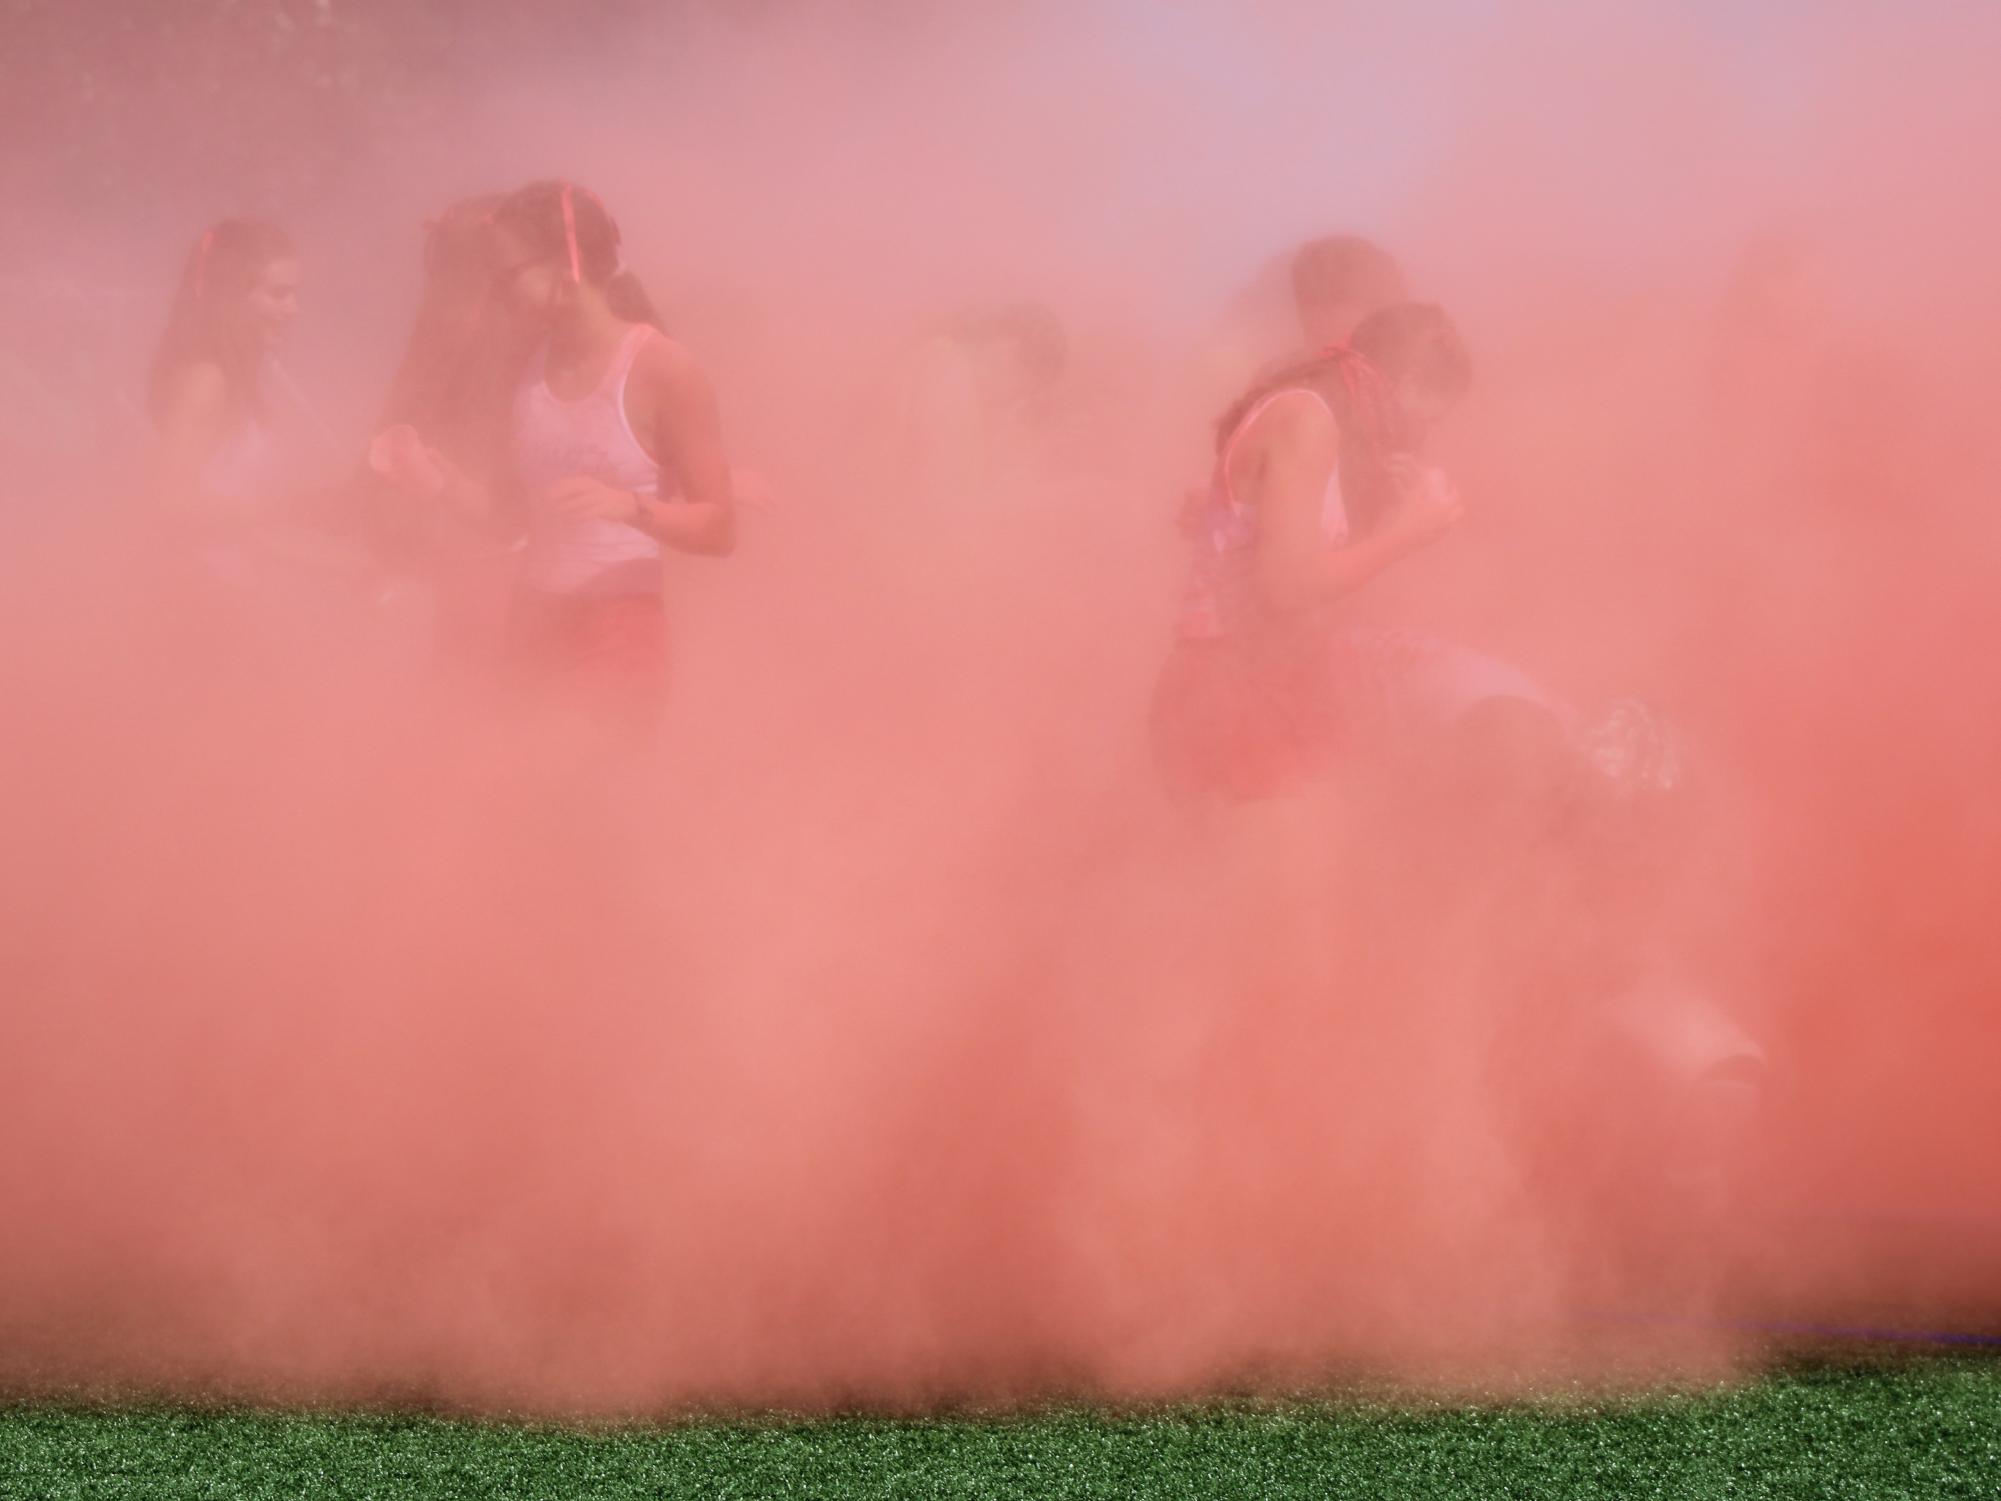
(628,300)
(1414,341)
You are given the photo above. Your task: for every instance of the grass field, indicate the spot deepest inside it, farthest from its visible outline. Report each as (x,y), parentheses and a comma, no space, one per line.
(1874,1431)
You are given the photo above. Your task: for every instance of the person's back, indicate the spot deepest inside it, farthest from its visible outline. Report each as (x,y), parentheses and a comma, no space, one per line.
(1314,493)
(1298,308)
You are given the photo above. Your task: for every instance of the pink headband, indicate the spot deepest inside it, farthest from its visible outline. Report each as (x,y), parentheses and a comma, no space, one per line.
(569,193)
(570,235)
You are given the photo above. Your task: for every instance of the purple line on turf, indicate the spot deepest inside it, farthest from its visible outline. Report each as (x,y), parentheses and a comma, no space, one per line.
(1817,1331)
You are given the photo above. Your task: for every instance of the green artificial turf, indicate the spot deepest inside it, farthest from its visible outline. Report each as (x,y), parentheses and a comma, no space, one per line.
(1928,1429)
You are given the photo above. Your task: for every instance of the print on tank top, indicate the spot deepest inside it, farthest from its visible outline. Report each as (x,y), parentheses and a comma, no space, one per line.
(556,440)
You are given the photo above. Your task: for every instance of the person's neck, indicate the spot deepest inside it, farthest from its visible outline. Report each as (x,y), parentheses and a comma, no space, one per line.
(587,328)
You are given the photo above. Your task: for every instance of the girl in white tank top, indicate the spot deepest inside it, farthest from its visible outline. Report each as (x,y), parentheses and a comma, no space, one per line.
(555,441)
(229,468)
(613,474)
(217,464)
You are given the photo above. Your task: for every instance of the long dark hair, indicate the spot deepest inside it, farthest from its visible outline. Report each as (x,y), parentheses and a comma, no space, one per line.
(202,325)
(1412,341)
(1416,341)
(570,223)
(465,353)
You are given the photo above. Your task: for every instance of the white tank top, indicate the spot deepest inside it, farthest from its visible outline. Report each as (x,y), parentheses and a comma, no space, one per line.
(555,440)
(244,465)
(249,464)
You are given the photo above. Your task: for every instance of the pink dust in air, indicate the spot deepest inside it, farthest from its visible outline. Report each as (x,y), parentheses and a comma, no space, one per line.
(881,1033)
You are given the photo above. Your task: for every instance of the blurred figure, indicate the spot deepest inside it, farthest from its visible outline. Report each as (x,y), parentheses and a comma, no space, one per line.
(1345,295)
(974,396)
(980,490)
(1627,1041)
(613,446)
(210,386)
(1338,283)
(1304,301)
(1309,302)
(1317,489)
(234,435)
(444,434)
(465,351)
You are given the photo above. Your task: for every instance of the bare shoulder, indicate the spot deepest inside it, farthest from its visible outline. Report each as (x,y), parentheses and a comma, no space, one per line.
(669,368)
(1296,421)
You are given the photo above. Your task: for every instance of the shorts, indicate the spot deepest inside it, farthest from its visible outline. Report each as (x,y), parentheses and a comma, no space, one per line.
(609,650)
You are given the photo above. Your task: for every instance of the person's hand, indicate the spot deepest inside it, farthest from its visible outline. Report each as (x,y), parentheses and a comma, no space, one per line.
(1427,504)
(400,456)
(581,498)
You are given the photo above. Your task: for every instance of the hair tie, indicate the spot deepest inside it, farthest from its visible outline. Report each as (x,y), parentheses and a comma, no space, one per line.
(201,263)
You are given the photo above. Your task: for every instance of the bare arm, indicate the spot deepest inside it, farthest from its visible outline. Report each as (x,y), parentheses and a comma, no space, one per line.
(688,432)
(1292,454)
